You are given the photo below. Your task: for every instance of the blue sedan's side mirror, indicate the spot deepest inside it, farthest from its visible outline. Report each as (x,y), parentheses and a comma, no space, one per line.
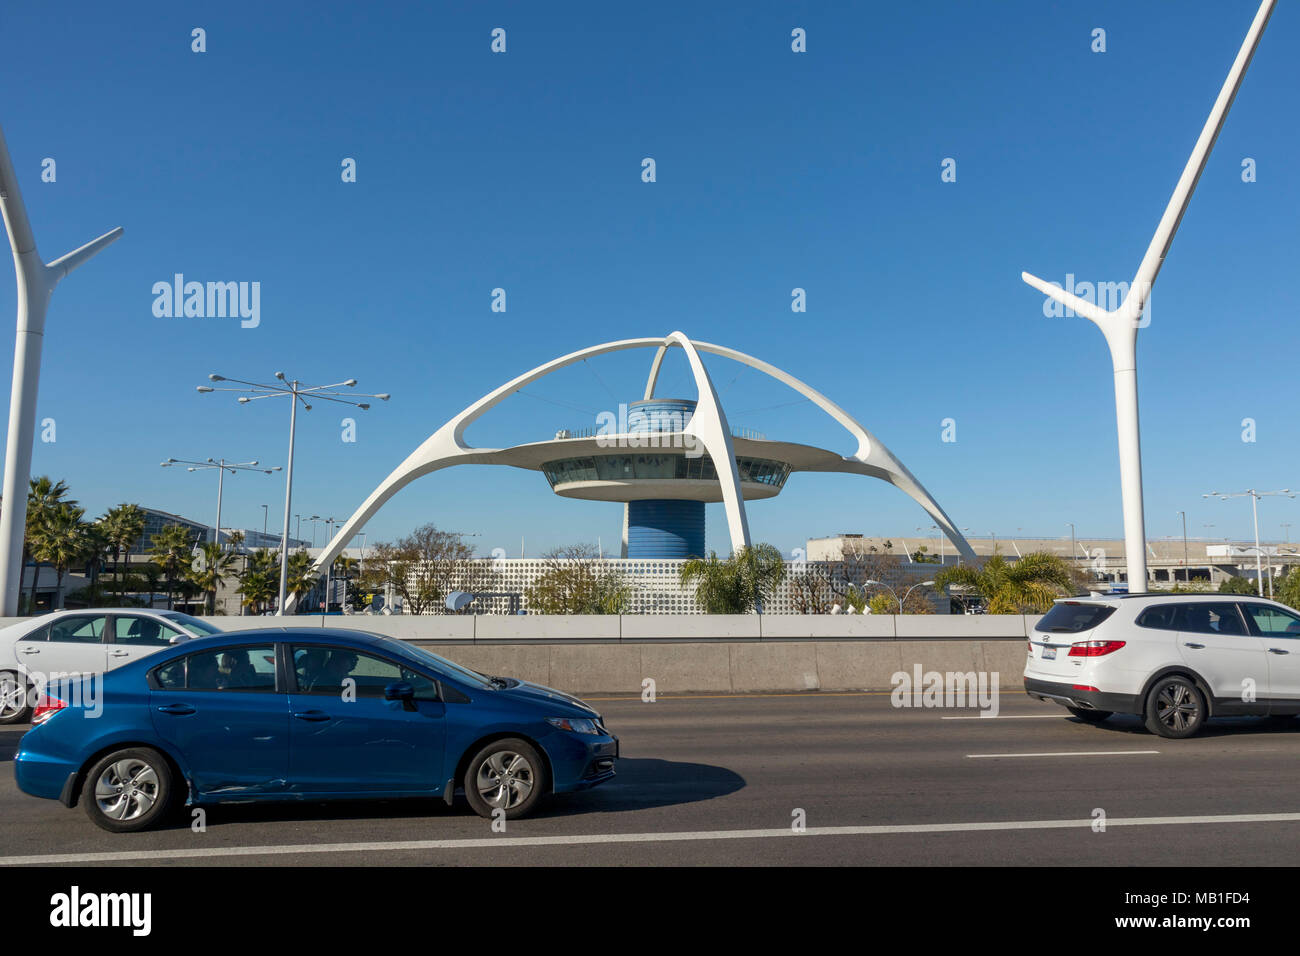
(401,690)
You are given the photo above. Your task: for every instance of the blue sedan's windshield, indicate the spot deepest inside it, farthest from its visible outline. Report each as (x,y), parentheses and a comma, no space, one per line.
(470,677)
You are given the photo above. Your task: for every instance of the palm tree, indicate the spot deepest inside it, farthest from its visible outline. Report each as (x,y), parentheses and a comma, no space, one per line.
(216,568)
(171,552)
(62,539)
(300,579)
(260,581)
(122,527)
(43,495)
(737,585)
(1027,586)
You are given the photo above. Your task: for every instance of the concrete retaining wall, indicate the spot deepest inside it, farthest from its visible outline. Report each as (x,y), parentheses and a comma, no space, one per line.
(702,653)
(748,667)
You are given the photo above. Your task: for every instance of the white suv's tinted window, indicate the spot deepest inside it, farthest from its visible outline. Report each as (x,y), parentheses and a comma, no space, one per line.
(1162,616)
(1071,618)
(1274,622)
(1205,617)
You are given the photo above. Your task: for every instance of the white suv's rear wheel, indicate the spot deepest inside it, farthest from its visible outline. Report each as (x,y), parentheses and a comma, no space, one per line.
(1175,708)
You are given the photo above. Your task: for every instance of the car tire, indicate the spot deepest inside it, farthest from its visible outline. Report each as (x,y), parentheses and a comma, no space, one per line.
(1090,716)
(14,710)
(1175,708)
(508,774)
(128,790)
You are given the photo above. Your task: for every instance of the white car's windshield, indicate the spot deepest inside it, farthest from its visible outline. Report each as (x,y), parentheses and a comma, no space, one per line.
(196,627)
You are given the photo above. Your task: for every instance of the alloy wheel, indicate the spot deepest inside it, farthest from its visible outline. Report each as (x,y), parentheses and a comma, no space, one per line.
(505,779)
(127,789)
(1176,707)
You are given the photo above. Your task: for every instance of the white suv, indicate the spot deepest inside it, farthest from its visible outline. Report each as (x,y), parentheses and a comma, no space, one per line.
(1174,659)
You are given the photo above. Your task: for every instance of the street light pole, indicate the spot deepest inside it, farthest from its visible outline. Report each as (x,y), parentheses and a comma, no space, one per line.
(1187,574)
(296,392)
(222,466)
(1254,510)
(881,584)
(36,283)
(1120,325)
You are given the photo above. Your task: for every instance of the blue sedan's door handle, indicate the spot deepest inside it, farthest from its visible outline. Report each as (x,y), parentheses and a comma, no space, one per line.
(178,709)
(313,715)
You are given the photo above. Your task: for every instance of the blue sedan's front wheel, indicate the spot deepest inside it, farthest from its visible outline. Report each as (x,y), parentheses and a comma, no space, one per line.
(507,775)
(128,790)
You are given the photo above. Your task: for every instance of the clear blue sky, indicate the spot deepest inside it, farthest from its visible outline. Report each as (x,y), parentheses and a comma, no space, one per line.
(775,170)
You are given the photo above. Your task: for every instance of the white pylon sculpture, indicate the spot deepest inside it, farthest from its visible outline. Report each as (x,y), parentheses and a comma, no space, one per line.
(36,282)
(1120,325)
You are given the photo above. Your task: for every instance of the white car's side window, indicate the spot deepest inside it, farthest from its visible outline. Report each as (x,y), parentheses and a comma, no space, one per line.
(1274,622)
(78,630)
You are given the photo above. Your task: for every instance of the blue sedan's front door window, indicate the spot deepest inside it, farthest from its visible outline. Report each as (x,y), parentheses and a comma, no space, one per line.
(346,738)
(220,709)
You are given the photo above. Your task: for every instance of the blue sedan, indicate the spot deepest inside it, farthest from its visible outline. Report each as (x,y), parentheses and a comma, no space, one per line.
(304,714)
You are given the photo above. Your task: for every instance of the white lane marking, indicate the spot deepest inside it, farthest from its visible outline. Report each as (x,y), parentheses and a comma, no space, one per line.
(1073,753)
(1008,717)
(678,837)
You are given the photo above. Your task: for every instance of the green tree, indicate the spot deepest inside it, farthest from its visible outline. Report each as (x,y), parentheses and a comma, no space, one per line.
(1027,586)
(1238,585)
(171,551)
(738,585)
(259,582)
(121,527)
(300,578)
(424,567)
(577,581)
(62,539)
(1286,589)
(43,496)
(215,568)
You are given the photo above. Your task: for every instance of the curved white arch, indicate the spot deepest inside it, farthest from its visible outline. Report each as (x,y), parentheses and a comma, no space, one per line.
(447,447)
(872,457)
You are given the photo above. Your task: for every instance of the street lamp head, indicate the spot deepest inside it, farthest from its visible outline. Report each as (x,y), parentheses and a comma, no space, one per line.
(927,584)
(244,400)
(216,378)
(203,388)
(253,462)
(363,406)
(383,396)
(280,376)
(871,581)
(351,383)
(306,406)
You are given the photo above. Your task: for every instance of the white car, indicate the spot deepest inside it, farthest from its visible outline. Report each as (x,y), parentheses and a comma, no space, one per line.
(1174,659)
(83,642)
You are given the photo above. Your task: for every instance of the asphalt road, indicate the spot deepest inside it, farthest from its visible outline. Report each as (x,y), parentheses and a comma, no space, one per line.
(718,780)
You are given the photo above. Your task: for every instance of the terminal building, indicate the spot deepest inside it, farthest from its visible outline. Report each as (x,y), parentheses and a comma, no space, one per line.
(662,459)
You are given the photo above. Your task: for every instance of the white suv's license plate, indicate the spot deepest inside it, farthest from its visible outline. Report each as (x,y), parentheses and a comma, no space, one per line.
(1049,653)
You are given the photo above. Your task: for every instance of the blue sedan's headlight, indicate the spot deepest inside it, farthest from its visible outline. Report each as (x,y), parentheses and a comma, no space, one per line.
(579,725)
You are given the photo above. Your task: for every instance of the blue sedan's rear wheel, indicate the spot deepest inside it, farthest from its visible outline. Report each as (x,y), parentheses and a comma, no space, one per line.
(506,775)
(128,790)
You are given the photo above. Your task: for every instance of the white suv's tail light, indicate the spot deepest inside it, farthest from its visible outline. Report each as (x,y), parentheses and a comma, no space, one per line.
(1094,648)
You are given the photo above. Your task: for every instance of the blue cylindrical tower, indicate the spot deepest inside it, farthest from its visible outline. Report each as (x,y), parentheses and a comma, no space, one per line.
(665,528)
